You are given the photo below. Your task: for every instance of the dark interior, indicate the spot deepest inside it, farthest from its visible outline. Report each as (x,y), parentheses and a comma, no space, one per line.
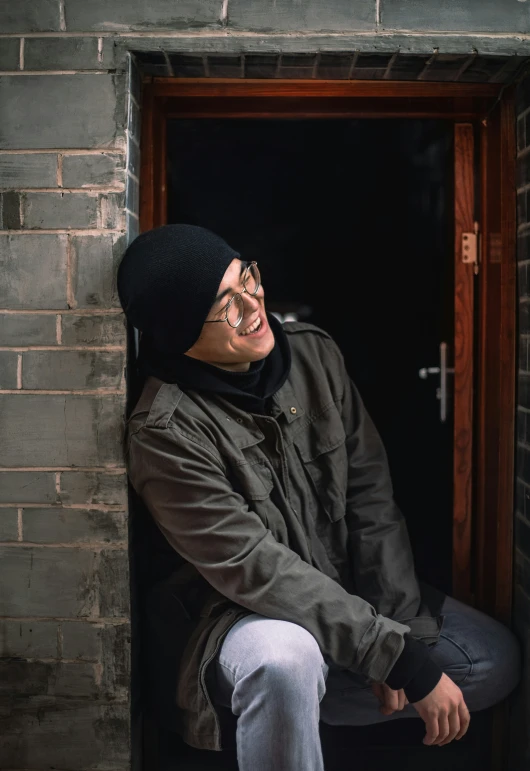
(351,223)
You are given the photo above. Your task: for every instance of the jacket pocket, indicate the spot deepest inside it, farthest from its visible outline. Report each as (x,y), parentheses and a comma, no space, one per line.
(321,447)
(254,481)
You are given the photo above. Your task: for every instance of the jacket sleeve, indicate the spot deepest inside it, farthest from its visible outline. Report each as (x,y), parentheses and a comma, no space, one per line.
(382,563)
(185,487)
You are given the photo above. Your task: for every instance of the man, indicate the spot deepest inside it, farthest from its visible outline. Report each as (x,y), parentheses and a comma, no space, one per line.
(296,594)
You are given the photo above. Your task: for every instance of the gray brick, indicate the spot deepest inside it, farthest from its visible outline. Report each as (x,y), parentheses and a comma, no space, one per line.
(522,536)
(95,262)
(59,370)
(27,487)
(135,78)
(469,15)
(134,120)
(81,640)
(137,15)
(70,111)
(60,210)
(69,53)
(89,170)
(8,524)
(9,53)
(93,487)
(54,678)
(284,15)
(32,170)
(34,271)
(108,643)
(29,16)
(116,659)
(133,195)
(94,330)
(60,525)
(132,227)
(113,210)
(28,639)
(8,369)
(43,581)
(33,729)
(61,430)
(133,158)
(27,329)
(10,210)
(522,570)
(114,583)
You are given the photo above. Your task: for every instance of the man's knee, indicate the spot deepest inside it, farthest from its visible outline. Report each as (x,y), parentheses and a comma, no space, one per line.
(497,669)
(503,665)
(294,656)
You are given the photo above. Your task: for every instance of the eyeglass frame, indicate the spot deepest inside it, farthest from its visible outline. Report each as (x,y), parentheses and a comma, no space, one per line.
(231,300)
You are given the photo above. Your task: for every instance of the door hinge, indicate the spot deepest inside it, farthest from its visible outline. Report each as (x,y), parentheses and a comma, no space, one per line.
(471,247)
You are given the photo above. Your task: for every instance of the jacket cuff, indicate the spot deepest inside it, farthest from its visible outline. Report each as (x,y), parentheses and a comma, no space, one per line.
(414,671)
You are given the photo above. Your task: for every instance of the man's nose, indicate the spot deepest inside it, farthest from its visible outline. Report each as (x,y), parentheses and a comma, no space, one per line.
(251,301)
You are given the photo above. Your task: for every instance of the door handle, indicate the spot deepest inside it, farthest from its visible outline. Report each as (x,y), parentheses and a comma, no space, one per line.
(443,370)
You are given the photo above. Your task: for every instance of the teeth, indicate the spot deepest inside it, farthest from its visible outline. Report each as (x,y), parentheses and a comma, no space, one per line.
(252,328)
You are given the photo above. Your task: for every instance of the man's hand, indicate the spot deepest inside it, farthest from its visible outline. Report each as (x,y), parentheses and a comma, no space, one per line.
(444,712)
(390,700)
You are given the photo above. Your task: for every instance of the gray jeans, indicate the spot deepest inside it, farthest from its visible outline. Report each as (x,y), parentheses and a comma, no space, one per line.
(274,678)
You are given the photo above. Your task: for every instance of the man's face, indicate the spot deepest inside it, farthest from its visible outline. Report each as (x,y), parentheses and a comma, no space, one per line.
(234,348)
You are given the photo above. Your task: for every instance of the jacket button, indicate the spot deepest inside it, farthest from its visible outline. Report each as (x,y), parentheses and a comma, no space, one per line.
(293,410)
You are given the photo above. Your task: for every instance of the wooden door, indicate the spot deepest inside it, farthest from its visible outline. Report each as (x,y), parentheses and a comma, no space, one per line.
(463,378)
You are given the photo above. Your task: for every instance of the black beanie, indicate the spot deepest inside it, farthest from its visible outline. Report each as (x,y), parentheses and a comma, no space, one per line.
(168,279)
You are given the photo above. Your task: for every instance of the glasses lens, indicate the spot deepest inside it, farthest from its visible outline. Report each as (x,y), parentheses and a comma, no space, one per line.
(252,280)
(235,311)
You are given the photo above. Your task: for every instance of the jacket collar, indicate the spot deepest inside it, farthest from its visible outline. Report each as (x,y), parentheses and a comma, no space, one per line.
(284,401)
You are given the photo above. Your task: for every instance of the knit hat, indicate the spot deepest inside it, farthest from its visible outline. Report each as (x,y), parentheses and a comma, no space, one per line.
(167,282)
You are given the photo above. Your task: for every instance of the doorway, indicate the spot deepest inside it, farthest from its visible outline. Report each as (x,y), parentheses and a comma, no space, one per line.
(351,223)
(443,155)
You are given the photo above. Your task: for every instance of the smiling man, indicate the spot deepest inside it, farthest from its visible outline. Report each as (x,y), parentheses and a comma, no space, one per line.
(294,592)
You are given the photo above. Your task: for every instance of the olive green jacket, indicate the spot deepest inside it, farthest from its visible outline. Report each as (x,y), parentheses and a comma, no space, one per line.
(289,515)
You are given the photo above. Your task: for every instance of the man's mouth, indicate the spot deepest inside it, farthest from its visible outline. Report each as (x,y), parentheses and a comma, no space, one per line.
(252,328)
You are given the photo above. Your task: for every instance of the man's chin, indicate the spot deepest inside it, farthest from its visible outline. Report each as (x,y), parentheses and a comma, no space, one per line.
(259,350)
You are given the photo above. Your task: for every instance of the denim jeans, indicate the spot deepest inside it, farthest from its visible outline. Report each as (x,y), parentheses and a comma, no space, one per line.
(274,678)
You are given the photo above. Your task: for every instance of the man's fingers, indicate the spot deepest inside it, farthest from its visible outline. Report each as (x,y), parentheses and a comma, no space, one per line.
(465,717)
(431,725)
(392,699)
(454,726)
(402,699)
(443,728)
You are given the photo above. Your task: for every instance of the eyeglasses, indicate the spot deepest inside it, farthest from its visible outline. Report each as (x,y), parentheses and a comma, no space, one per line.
(234,309)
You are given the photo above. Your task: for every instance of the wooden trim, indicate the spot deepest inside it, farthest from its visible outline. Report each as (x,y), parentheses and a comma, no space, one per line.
(464,206)
(322,108)
(221,87)
(496,361)
(153,187)
(147,189)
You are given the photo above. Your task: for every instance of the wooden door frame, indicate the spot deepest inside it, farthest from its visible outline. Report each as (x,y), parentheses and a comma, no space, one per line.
(486,543)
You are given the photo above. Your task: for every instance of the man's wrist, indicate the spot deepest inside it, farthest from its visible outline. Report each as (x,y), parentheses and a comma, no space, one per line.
(415,671)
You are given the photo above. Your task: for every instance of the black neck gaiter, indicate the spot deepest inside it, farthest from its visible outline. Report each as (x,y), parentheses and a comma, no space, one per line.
(248,390)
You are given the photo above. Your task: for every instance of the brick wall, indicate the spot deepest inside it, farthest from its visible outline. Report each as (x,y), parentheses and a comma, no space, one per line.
(69,165)
(521,716)
(69,157)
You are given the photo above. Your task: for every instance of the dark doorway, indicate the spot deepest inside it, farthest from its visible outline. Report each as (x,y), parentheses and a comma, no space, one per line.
(351,222)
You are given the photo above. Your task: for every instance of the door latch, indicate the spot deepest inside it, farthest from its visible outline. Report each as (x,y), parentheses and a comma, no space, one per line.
(470,248)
